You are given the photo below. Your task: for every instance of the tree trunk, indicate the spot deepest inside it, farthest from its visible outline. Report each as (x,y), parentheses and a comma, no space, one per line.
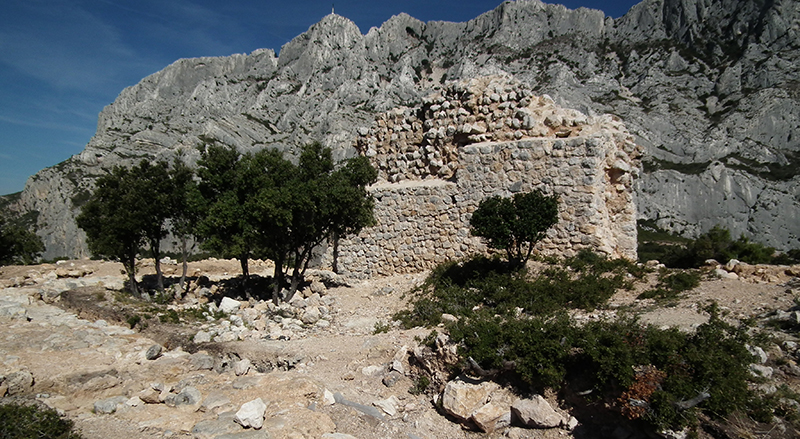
(298,271)
(335,239)
(277,281)
(184,255)
(245,270)
(130,268)
(156,249)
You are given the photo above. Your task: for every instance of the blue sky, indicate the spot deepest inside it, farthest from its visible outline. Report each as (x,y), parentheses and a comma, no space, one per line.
(62,61)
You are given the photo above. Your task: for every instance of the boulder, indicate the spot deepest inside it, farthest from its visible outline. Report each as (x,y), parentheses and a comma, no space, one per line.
(150,396)
(214,401)
(492,416)
(724,274)
(311,315)
(202,337)
(187,396)
(389,405)
(757,352)
(228,305)
(761,371)
(153,352)
(201,361)
(241,367)
(536,412)
(109,405)
(463,397)
(20,382)
(251,414)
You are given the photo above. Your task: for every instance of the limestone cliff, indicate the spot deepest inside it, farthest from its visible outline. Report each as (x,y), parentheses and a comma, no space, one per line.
(710,88)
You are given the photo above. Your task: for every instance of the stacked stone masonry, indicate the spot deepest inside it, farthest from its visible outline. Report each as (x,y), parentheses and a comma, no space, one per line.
(484,137)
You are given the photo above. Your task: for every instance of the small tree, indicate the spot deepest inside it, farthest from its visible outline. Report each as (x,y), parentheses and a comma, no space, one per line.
(154,186)
(18,245)
(114,228)
(515,224)
(324,203)
(184,202)
(263,205)
(225,202)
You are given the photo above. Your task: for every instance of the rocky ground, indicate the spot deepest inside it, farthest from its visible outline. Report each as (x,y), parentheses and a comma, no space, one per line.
(330,364)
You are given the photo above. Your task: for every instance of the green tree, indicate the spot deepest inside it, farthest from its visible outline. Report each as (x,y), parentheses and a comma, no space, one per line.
(128,209)
(263,205)
(154,187)
(18,245)
(114,228)
(321,203)
(184,205)
(226,195)
(515,224)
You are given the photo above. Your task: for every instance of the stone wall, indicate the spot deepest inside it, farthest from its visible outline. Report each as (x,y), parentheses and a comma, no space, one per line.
(486,137)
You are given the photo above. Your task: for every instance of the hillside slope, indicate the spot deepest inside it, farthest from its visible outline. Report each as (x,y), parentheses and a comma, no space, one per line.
(709,88)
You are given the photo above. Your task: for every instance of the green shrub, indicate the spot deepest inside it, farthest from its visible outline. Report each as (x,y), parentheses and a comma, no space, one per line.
(554,352)
(30,422)
(421,385)
(515,224)
(480,282)
(169,316)
(672,284)
(715,244)
(538,348)
(133,320)
(381,327)
(542,347)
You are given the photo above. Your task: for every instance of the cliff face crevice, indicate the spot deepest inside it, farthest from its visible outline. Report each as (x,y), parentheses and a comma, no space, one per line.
(709,88)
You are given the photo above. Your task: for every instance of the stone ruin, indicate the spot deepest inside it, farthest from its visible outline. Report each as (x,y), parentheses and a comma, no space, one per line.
(484,137)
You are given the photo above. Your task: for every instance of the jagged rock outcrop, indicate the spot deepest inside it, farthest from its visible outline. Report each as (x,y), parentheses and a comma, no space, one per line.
(708,87)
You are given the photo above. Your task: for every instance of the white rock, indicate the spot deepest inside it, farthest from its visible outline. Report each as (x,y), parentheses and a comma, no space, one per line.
(252,414)
(228,305)
(461,398)
(572,423)
(724,274)
(327,398)
(372,370)
(311,315)
(398,366)
(732,264)
(536,412)
(241,367)
(449,318)
(388,405)
(757,352)
(134,402)
(759,370)
(492,416)
(202,337)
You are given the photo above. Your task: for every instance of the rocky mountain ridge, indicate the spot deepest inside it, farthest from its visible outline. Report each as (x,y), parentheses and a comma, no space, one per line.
(707,87)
